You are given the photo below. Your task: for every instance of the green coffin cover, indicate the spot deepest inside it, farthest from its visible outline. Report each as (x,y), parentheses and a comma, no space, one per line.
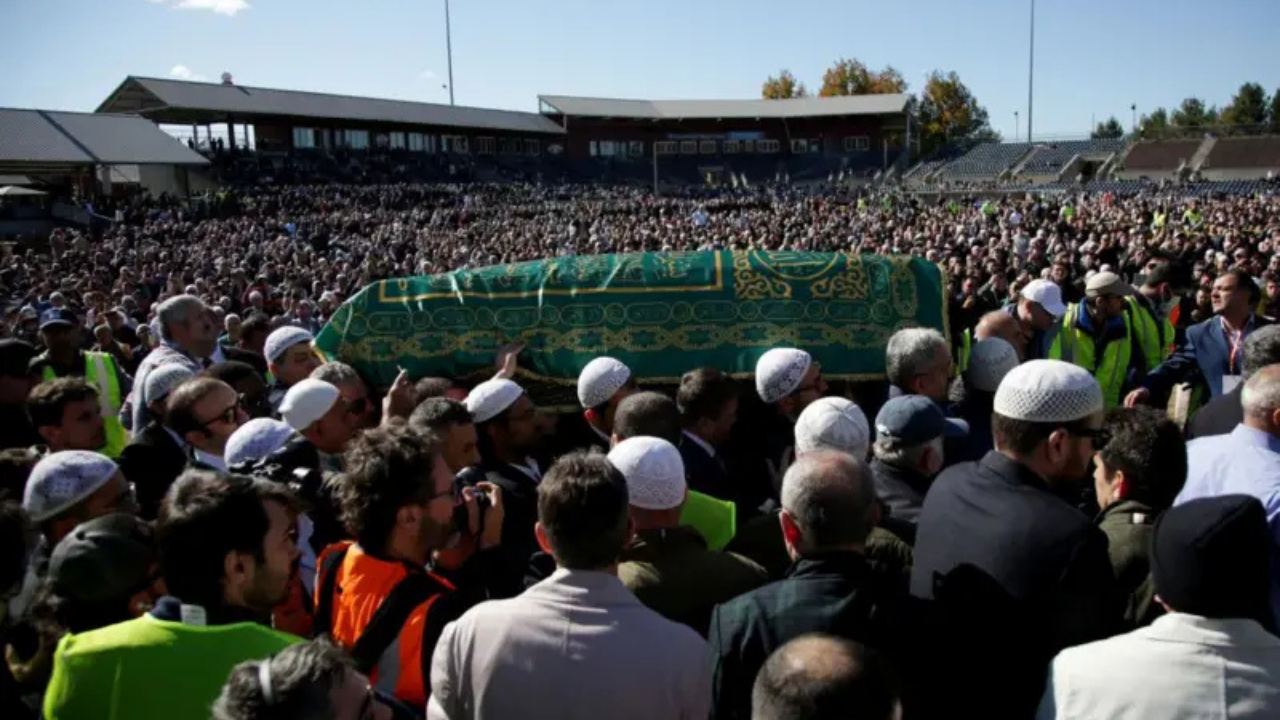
(660,313)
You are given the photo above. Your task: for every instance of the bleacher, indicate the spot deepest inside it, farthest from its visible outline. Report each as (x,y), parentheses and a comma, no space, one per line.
(1246,153)
(1160,156)
(985,161)
(1051,158)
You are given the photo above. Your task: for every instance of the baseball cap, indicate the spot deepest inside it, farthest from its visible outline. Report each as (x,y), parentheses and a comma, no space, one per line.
(1107,283)
(1047,294)
(105,559)
(58,316)
(915,419)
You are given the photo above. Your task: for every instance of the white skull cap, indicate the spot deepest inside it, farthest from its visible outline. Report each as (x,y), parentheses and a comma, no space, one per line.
(989,361)
(654,472)
(491,397)
(833,423)
(62,479)
(1048,391)
(779,372)
(600,379)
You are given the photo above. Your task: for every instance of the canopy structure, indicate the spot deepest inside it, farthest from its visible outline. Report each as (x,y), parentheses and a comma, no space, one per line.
(41,138)
(13,191)
(660,313)
(725,109)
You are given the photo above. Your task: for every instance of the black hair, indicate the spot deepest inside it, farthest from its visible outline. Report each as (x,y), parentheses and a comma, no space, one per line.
(1148,448)
(704,393)
(387,468)
(582,506)
(437,414)
(48,400)
(648,414)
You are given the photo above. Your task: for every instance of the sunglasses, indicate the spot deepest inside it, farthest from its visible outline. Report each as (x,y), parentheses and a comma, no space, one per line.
(227,416)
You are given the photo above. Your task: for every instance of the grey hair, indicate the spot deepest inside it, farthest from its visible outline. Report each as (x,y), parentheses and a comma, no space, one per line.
(832,498)
(1261,348)
(177,309)
(301,678)
(894,452)
(336,373)
(1261,395)
(910,352)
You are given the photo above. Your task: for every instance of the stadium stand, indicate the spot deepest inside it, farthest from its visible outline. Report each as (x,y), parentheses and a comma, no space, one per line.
(985,161)
(1235,158)
(1158,156)
(1052,158)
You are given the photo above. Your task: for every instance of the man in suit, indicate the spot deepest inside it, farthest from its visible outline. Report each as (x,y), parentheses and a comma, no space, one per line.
(1224,413)
(509,435)
(156,455)
(1214,349)
(708,404)
(829,508)
(204,412)
(1212,656)
(597,650)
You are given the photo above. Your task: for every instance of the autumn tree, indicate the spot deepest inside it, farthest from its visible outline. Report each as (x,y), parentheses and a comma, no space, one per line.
(1108,130)
(782,87)
(1248,107)
(851,77)
(948,113)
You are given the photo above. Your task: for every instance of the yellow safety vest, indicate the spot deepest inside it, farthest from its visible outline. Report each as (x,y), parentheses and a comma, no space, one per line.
(1154,337)
(100,372)
(966,348)
(1076,346)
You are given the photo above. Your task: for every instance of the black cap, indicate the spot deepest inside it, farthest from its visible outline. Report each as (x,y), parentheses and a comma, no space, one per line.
(15,357)
(104,560)
(58,316)
(1212,557)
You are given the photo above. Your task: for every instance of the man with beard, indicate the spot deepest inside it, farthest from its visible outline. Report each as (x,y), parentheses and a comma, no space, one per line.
(227,556)
(1003,559)
(375,595)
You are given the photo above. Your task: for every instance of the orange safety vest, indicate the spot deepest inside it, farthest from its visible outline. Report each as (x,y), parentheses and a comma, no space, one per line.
(294,614)
(378,611)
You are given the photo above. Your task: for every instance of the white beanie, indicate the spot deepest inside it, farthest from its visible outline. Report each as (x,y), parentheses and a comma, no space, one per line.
(62,479)
(989,361)
(306,402)
(490,398)
(833,423)
(257,439)
(779,372)
(654,472)
(282,339)
(600,380)
(1048,391)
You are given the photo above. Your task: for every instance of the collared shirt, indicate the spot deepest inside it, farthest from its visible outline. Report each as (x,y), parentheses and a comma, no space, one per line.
(214,461)
(701,443)
(530,468)
(1246,462)
(603,438)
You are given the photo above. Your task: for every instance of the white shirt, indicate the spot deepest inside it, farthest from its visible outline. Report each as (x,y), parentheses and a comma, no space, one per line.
(701,443)
(530,468)
(214,461)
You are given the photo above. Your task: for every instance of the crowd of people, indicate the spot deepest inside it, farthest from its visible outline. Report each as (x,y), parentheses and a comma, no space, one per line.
(1064,509)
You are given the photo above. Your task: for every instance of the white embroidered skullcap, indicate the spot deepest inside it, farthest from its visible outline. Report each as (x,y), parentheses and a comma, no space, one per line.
(306,402)
(62,479)
(600,379)
(163,379)
(1048,391)
(654,472)
(284,338)
(779,372)
(257,439)
(989,361)
(833,423)
(488,399)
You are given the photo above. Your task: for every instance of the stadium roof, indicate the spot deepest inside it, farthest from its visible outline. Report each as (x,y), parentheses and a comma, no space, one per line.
(717,109)
(46,136)
(181,101)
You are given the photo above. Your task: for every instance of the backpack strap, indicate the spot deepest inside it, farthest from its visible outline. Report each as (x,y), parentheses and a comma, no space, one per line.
(327,585)
(389,619)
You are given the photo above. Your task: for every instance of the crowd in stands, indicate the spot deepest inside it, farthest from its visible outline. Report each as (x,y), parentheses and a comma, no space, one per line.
(1067,508)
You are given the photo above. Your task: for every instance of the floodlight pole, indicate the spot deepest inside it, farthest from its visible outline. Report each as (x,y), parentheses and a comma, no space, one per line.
(1031,70)
(448,44)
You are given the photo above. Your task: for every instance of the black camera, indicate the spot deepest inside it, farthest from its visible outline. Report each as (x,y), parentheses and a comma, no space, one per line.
(461,523)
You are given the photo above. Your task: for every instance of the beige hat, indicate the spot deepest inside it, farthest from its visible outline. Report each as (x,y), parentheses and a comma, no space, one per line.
(1107,283)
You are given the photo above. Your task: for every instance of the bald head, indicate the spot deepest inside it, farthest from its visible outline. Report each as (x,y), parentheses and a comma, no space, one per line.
(829,499)
(1261,400)
(1000,324)
(816,677)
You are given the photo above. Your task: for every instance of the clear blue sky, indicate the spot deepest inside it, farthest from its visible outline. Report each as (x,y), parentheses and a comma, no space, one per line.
(1093,57)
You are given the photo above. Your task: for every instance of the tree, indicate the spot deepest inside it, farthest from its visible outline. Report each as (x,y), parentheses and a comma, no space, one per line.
(1154,124)
(850,77)
(948,113)
(782,87)
(1248,107)
(1108,130)
(1192,113)
(1274,115)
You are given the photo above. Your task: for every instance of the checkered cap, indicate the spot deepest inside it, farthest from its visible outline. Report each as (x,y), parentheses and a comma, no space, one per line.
(62,479)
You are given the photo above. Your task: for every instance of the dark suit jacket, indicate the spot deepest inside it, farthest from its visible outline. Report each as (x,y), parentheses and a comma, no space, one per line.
(836,593)
(1219,417)
(706,474)
(152,461)
(520,513)
(253,359)
(1205,350)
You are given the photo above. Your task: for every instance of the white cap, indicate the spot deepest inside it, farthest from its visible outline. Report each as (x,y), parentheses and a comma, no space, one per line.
(1048,391)
(306,402)
(1047,294)
(833,423)
(256,439)
(654,472)
(600,379)
(491,397)
(163,379)
(284,338)
(62,479)
(779,372)
(989,361)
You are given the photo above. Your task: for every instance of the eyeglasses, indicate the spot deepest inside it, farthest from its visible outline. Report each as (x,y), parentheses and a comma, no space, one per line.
(227,416)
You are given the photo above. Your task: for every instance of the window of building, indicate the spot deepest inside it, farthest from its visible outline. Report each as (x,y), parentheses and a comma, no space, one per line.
(688,147)
(767,146)
(860,143)
(707,147)
(748,146)
(357,139)
(664,147)
(731,146)
(304,137)
(533,147)
(637,148)
(486,146)
(397,141)
(594,148)
(799,145)
(415,142)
